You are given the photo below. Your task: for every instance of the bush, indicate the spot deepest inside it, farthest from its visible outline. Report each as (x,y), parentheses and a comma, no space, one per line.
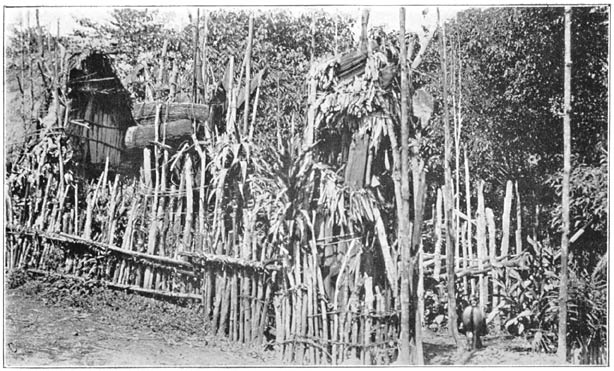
(17,278)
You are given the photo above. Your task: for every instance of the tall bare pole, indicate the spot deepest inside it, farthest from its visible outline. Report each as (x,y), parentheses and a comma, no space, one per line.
(195,57)
(448,192)
(24,43)
(363,33)
(39,31)
(248,60)
(404,225)
(562,346)
(204,75)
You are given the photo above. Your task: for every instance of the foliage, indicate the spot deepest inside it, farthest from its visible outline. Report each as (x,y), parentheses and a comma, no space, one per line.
(531,301)
(17,278)
(588,308)
(530,297)
(282,42)
(511,63)
(588,208)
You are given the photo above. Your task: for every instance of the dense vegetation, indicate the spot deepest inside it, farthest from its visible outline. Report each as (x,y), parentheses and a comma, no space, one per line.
(507,79)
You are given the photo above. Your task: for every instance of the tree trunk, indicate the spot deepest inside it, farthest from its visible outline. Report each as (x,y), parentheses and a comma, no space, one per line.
(562,348)
(448,196)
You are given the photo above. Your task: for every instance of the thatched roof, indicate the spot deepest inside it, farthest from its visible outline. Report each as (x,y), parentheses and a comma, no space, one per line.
(351,87)
(92,75)
(92,72)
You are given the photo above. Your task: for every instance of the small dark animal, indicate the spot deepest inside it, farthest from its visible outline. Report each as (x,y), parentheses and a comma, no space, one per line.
(473,324)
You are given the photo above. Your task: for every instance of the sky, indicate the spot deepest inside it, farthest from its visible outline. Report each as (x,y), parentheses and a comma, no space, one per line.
(387,16)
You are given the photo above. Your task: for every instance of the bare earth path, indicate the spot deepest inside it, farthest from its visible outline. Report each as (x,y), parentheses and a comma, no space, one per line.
(498,350)
(44,326)
(37,334)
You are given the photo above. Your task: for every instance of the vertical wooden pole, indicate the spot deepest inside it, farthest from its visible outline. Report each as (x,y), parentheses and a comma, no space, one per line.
(448,191)
(229,123)
(162,67)
(92,203)
(464,235)
(24,42)
(111,221)
(468,247)
(278,114)
(153,226)
(404,229)
(196,68)
(204,62)
(562,344)
(364,42)
(420,289)
(201,193)
(39,32)
(438,234)
(490,219)
(369,301)
(507,206)
(187,231)
(248,56)
(481,240)
(518,232)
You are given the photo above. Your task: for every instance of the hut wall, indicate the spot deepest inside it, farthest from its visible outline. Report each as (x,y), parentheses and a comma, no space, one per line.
(100,134)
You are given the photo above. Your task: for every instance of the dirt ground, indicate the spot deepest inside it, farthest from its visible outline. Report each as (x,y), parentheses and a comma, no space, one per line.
(498,350)
(44,334)
(47,327)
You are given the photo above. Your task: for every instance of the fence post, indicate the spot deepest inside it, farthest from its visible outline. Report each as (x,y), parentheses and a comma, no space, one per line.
(518,221)
(481,242)
(507,206)
(490,217)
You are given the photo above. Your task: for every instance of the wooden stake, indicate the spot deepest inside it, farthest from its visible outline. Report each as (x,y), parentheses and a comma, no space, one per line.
(204,62)
(92,202)
(468,248)
(507,206)
(438,237)
(481,241)
(518,232)
(196,68)
(490,218)
(448,191)
(248,56)
(187,231)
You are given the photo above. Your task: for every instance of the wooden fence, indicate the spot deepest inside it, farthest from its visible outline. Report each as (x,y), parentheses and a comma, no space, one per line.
(147,235)
(152,235)
(481,258)
(356,323)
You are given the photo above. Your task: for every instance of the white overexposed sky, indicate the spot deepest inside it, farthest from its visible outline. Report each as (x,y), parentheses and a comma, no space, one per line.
(177,16)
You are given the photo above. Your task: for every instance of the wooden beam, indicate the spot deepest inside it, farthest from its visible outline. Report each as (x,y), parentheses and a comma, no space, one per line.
(141,136)
(145,113)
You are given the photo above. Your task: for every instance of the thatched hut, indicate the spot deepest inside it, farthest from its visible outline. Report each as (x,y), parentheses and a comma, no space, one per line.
(100,111)
(352,108)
